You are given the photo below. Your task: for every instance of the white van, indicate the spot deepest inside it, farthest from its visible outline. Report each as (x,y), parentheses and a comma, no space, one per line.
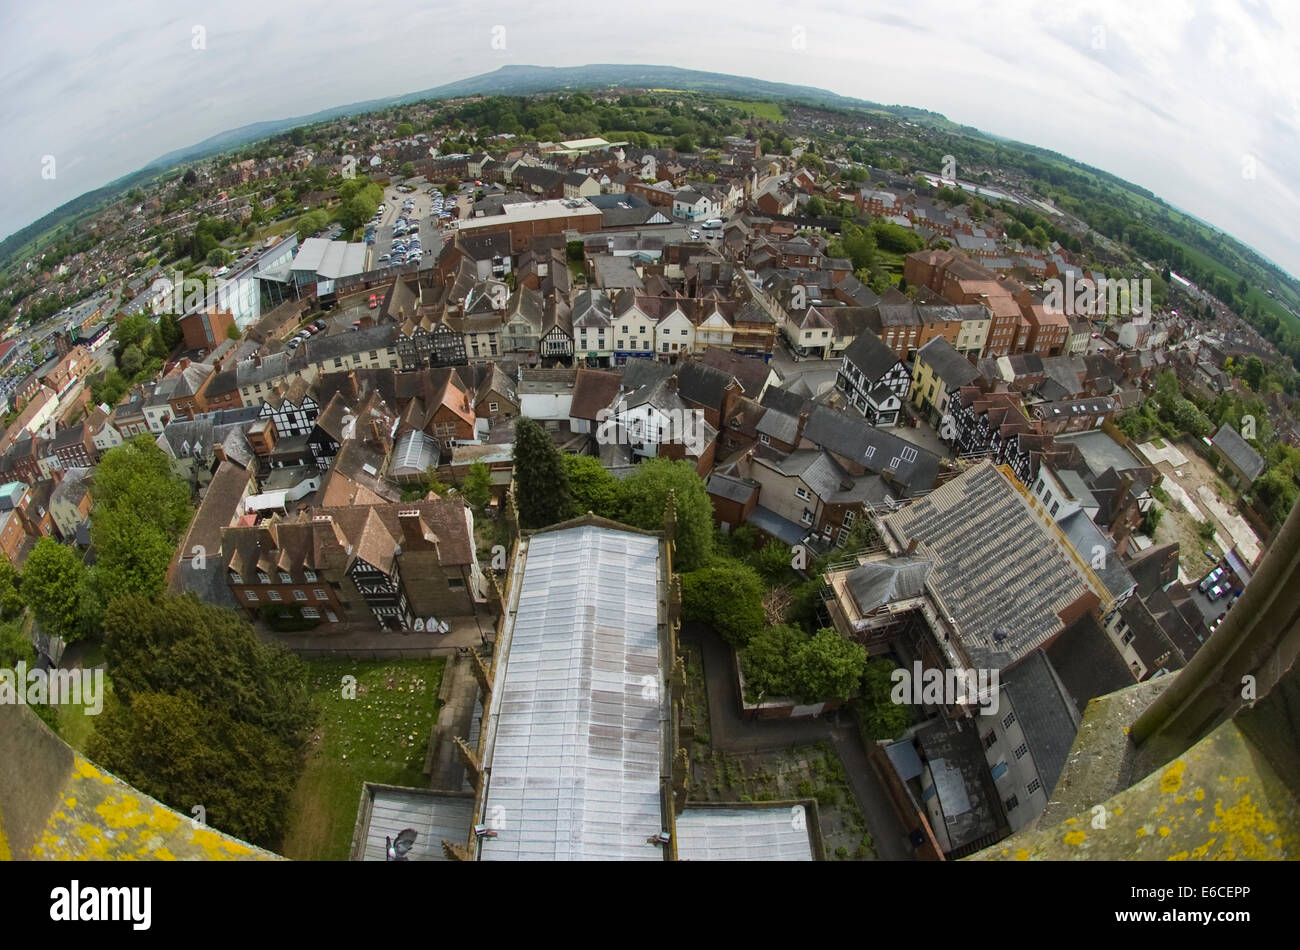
(713,224)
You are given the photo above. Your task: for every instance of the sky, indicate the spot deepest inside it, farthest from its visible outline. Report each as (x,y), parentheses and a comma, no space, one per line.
(1197,101)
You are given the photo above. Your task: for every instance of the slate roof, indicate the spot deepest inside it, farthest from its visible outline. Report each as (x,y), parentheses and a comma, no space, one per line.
(948,364)
(730,487)
(870,355)
(877,450)
(702,384)
(1238,450)
(1046,714)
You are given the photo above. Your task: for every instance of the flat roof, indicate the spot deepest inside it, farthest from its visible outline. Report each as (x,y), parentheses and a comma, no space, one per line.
(531,211)
(775,833)
(575,732)
(432,815)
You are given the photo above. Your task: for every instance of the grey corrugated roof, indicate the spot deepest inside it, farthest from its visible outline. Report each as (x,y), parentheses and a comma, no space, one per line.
(730,487)
(433,815)
(576,747)
(1001,574)
(745,834)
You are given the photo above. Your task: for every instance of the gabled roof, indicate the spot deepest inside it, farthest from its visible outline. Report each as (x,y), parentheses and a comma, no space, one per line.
(1238,450)
(877,450)
(701,384)
(870,355)
(948,364)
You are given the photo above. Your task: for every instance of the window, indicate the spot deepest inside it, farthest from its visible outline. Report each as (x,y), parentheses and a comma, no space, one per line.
(300,595)
(274,595)
(1008,719)
(321,594)
(990,740)
(311,613)
(251,595)
(665,349)
(1038,488)
(455,583)
(643,329)
(801,492)
(1127,638)
(1034,786)
(1021,751)
(1047,498)
(286,578)
(235,578)
(1012,803)
(263,577)
(684,333)
(1056,506)
(765,440)
(309,574)
(807,517)
(374,354)
(624,331)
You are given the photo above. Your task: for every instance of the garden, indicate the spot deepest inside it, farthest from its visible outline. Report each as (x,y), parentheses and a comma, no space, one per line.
(381,735)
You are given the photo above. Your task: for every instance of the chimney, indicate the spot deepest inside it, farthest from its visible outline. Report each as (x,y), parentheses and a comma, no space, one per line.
(416,534)
(911,546)
(798,431)
(219,451)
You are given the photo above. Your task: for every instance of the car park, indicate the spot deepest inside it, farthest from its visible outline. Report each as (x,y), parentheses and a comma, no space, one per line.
(1210,579)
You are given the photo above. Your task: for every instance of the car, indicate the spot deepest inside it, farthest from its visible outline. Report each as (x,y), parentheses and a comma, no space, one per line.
(1096,336)
(1217,591)
(383,258)
(294,343)
(320,324)
(313,330)
(1210,579)
(374,301)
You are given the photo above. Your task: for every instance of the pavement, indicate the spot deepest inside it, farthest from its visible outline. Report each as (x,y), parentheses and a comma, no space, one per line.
(465,632)
(730,733)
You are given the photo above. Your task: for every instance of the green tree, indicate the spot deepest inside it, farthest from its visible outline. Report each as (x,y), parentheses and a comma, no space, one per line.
(643,497)
(879,717)
(403,129)
(132,360)
(542,486)
(233,332)
(53,584)
(773,561)
(815,207)
(311,222)
(407,170)
(728,596)
(593,488)
(827,666)
(11,602)
(477,487)
(1254,373)
(766,661)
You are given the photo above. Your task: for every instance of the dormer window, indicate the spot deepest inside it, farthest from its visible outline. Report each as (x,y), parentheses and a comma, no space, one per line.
(309,575)
(263,577)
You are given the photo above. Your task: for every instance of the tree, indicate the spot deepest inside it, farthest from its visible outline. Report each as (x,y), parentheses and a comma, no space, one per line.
(728,596)
(233,332)
(684,143)
(132,360)
(773,560)
(879,717)
(53,582)
(827,666)
(403,129)
(766,661)
(11,602)
(643,498)
(477,487)
(542,486)
(815,207)
(593,488)
(311,222)
(141,510)
(1254,373)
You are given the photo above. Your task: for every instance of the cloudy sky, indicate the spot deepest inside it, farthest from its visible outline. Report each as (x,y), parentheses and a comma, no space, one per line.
(1197,101)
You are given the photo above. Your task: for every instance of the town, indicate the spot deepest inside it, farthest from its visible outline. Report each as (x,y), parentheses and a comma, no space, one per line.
(594,465)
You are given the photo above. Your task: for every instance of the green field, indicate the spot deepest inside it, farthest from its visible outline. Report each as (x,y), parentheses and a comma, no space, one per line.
(761,109)
(380,736)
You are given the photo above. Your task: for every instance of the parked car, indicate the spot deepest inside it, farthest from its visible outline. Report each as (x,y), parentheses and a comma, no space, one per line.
(374,301)
(320,324)
(1210,579)
(293,344)
(1217,591)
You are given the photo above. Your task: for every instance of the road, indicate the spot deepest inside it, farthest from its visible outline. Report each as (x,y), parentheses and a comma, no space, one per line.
(730,733)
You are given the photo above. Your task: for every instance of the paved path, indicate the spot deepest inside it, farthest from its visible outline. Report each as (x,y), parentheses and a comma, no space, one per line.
(465,632)
(730,733)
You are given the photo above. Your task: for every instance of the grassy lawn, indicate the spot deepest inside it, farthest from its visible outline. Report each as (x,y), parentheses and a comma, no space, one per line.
(380,736)
(763,110)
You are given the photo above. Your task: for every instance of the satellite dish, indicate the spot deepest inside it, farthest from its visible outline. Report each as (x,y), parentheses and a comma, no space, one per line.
(419,625)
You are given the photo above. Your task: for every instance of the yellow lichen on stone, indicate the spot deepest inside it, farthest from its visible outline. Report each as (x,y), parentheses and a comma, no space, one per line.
(1022,854)
(1075,838)
(1172,780)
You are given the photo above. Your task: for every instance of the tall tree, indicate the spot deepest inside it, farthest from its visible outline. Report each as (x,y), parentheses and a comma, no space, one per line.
(477,487)
(53,584)
(542,485)
(643,496)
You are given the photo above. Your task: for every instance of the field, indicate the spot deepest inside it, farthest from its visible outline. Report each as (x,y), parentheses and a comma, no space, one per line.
(763,110)
(380,736)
